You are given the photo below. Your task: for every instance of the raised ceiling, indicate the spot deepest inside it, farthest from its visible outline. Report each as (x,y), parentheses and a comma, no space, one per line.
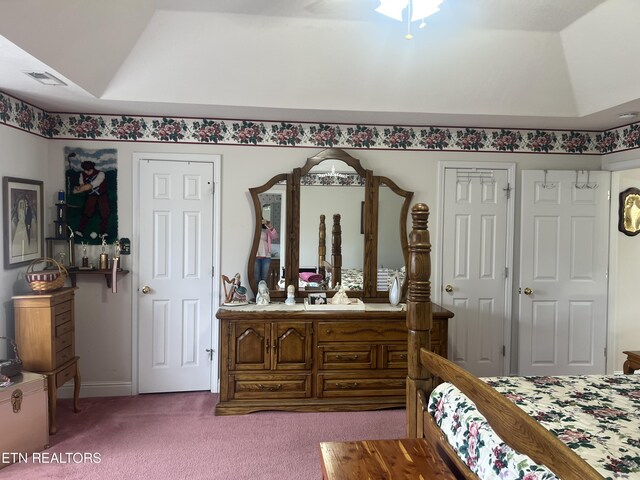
(484,63)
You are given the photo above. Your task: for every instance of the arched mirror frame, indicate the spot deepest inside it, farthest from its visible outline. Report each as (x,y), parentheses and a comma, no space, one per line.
(404,239)
(257,208)
(298,173)
(370,223)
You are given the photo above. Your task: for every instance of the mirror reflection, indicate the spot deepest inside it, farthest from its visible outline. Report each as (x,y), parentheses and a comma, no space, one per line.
(390,252)
(329,189)
(271,247)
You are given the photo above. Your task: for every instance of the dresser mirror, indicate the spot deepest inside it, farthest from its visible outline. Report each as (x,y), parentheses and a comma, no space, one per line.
(270,206)
(359,249)
(329,188)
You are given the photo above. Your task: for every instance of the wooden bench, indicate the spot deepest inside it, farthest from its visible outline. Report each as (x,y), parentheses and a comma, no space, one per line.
(382,459)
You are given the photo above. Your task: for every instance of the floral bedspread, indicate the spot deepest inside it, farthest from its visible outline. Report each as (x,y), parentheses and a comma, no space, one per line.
(596,416)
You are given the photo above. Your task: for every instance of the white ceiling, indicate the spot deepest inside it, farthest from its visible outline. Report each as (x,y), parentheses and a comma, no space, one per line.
(484,63)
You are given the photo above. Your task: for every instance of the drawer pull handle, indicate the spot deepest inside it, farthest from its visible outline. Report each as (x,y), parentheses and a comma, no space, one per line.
(346,357)
(403,356)
(271,388)
(347,386)
(328,331)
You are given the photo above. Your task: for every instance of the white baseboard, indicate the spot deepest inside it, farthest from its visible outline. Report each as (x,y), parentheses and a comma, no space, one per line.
(97,389)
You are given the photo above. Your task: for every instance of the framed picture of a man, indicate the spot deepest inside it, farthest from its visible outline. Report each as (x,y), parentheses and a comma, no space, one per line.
(22,223)
(91,186)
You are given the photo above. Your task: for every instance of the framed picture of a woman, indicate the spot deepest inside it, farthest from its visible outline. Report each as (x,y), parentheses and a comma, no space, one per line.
(629,212)
(22,222)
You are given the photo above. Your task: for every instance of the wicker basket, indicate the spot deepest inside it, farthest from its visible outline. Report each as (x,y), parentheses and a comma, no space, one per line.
(46,280)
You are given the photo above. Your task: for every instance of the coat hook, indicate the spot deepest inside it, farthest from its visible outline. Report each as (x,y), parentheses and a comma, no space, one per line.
(545,184)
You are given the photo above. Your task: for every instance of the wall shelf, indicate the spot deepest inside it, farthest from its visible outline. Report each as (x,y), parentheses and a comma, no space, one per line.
(107,274)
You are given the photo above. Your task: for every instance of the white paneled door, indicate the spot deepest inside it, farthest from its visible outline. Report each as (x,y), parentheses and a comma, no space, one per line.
(476,254)
(563,272)
(175,292)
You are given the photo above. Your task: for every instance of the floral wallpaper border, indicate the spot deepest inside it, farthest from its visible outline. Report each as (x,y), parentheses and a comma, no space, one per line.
(24,116)
(335,179)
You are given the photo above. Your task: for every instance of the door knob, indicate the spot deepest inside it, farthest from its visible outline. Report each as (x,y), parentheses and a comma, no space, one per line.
(448,289)
(146,289)
(528,291)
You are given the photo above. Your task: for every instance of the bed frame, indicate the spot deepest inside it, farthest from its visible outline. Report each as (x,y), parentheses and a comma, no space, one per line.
(426,369)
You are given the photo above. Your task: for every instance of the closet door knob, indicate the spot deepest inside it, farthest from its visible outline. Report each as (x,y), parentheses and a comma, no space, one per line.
(448,288)
(146,289)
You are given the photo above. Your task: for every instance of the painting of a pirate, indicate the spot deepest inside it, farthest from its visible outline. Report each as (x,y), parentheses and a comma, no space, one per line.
(92,182)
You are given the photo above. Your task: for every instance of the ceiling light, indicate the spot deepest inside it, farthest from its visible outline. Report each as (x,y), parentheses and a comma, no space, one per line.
(333,173)
(416,10)
(628,115)
(46,78)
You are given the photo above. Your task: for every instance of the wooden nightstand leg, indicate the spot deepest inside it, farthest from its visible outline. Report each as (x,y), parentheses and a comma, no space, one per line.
(53,398)
(76,389)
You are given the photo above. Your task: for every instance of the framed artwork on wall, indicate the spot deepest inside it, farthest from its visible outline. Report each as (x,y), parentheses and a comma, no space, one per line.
(91,178)
(22,221)
(629,212)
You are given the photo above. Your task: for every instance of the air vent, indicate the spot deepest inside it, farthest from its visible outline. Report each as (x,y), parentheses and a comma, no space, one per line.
(46,78)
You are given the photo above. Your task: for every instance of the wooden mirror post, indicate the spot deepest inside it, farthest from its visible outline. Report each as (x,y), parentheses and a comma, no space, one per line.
(336,251)
(322,247)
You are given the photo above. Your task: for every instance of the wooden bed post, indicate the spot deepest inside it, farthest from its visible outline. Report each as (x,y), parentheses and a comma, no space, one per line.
(322,247)
(336,251)
(419,312)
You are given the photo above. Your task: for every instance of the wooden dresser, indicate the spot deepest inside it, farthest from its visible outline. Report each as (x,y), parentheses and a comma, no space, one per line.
(45,329)
(316,360)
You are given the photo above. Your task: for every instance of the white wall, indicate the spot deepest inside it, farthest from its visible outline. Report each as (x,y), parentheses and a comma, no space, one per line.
(623,264)
(624,283)
(23,156)
(104,319)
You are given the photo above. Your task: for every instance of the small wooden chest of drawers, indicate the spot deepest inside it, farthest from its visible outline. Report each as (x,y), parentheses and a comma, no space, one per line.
(45,328)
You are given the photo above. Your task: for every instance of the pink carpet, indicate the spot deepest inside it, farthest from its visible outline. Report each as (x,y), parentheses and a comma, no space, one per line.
(177,436)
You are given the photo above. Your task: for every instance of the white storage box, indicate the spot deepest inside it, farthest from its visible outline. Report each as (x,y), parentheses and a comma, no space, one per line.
(23,417)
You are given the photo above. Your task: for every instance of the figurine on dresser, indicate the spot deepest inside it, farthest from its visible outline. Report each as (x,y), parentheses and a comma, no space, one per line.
(236,294)
(340,298)
(263,297)
(291,299)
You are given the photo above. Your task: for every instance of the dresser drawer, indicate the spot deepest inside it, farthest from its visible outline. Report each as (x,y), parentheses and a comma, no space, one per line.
(63,306)
(64,328)
(335,385)
(346,357)
(361,331)
(269,386)
(394,356)
(64,341)
(65,375)
(63,317)
(64,355)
